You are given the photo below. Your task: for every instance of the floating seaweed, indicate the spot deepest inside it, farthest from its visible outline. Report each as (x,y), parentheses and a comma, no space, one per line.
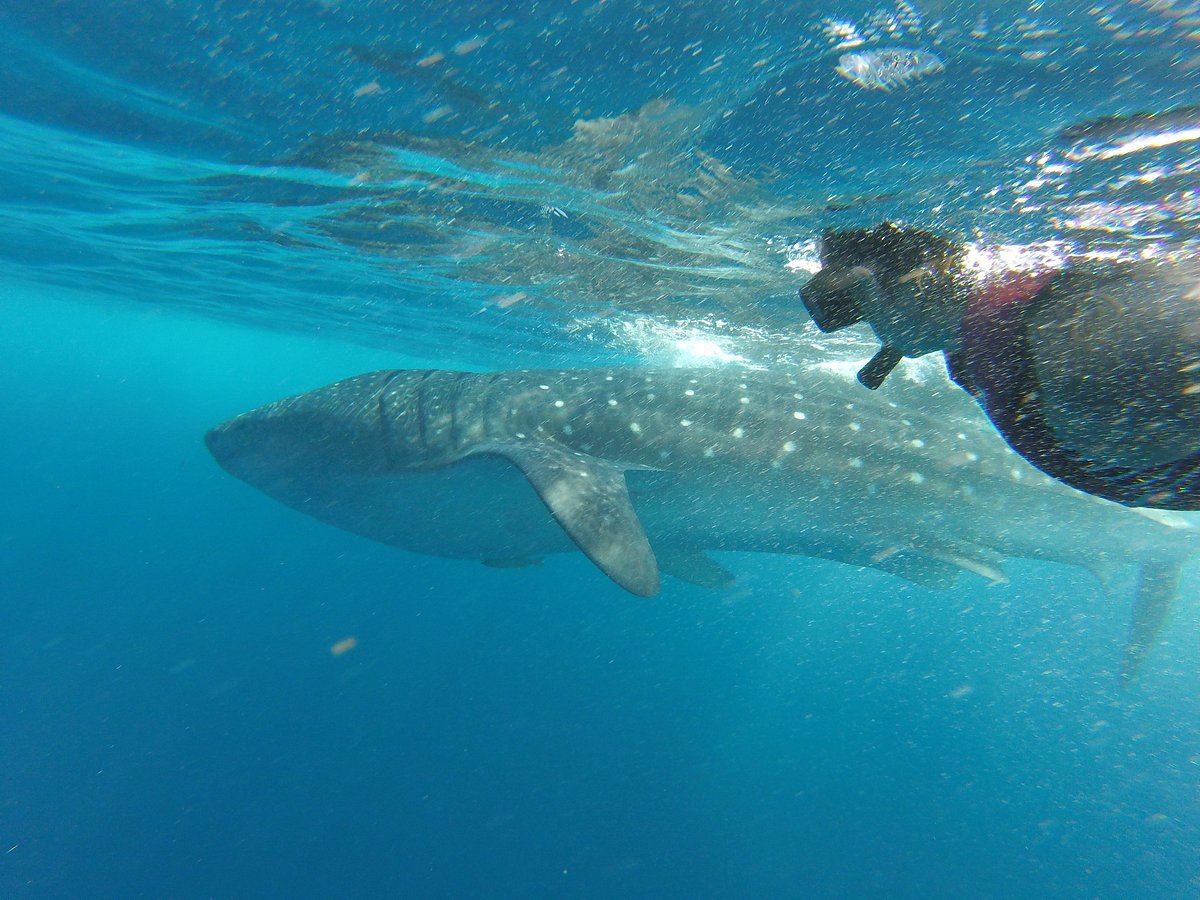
(887,69)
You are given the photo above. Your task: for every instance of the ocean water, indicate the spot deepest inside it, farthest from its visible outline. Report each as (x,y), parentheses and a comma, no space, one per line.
(208,206)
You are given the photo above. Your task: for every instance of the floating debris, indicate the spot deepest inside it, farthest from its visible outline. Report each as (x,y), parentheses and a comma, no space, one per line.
(506,300)
(469,46)
(1114,136)
(345,645)
(885,70)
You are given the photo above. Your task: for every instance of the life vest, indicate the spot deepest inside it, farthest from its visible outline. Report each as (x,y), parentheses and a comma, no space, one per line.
(994,364)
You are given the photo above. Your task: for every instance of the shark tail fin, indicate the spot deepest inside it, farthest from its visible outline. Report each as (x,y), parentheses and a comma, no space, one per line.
(1158,585)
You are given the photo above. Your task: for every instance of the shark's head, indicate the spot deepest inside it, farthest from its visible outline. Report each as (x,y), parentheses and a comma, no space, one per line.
(311,451)
(332,430)
(263,446)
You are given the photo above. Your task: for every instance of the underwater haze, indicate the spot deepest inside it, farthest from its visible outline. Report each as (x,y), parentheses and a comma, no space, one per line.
(207,206)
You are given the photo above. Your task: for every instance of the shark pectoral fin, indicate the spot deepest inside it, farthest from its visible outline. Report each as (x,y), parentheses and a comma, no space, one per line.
(969,558)
(1158,583)
(694,566)
(588,498)
(917,569)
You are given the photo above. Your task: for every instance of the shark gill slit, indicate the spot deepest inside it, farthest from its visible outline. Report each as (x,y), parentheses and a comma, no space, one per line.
(385,421)
(455,394)
(420,407)
(489,409)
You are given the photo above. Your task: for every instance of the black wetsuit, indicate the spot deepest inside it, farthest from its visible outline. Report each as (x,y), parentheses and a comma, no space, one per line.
(994,365)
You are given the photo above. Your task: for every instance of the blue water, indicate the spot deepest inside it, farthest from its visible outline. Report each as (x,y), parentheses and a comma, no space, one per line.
(208,206)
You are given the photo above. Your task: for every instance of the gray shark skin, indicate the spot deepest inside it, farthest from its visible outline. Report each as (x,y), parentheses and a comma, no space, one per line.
(645,470)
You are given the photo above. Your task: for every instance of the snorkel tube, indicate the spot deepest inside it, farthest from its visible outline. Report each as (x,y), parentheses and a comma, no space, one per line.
(872,375)
(901,281)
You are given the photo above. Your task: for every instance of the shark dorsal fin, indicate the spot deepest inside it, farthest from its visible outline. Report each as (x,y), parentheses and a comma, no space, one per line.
(588,498)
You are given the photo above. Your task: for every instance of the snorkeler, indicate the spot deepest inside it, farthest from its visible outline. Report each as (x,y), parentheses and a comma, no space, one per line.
(1090,369)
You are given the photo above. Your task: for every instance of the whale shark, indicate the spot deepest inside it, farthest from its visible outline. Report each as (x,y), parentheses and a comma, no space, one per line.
(648,470)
